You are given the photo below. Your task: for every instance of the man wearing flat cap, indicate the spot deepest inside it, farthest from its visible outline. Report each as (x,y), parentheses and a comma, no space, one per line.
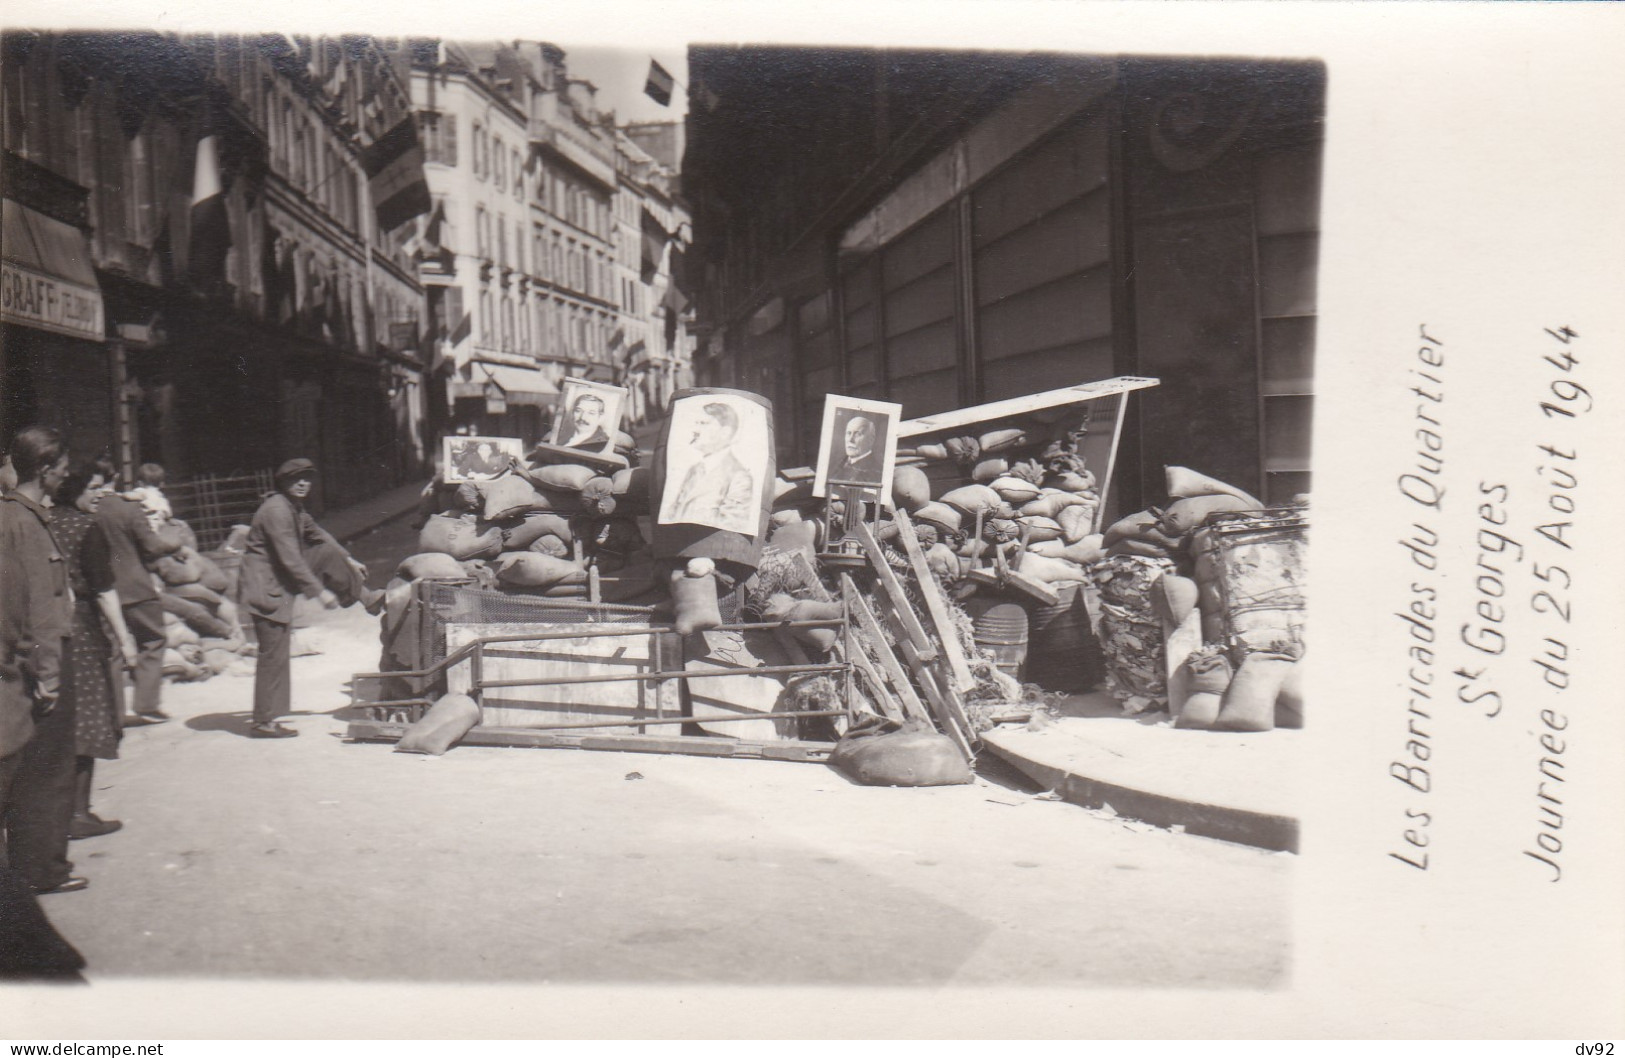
(288,554)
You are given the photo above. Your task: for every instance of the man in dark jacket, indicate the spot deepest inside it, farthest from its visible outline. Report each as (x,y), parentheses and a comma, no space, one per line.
(287,554)
(133,544)
(36,617)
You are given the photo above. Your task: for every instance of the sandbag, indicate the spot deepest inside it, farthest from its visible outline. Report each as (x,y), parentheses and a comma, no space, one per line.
(535,524)
(466,499)
(450,718)
(527,569)
(569,477)
(1183,482)
(1040,528)
(184,531)
(694,596)
(970,500)
(942,561)
(1289,701)
(792,492)
(1249,701)
(548,544)
(432,564)
(944,517)
(1183,516)
(999,440)
(182,567)
(797,536)
(1141,525)
(1014,490)
(507,497)
(1077,522)
(989,471)
(178,633)
(460,537)
(1052,570)
(1049,503)
(1174,597)
(783,607)
(631,490)
(1204,677)
(211,576)
(885,753)
(1085,552)
(910,488)
(598,497)
(1070,481)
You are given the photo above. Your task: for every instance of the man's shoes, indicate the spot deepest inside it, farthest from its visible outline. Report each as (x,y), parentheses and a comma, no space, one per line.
(70,885)
(271,730)
(372,600)
(157,716)
(91,826)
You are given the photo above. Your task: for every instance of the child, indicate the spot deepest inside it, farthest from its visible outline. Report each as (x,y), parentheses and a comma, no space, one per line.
(149,492)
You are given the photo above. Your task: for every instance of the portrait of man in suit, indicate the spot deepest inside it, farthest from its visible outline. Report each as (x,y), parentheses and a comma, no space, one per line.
(717,487)
(859,445)
(585,426)
(860,453)
(589,416)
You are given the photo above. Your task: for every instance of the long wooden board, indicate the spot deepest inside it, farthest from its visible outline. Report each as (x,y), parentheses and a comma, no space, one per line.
(784,749)
(912,706)
(894,589)
(936,606)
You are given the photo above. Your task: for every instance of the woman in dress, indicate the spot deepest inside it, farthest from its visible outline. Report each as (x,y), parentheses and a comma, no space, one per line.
(87,677)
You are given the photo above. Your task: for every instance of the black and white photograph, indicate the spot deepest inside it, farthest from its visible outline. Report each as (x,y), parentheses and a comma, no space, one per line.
(591,416)
(859,444)
(1224,657)
(713,471)
(468,459)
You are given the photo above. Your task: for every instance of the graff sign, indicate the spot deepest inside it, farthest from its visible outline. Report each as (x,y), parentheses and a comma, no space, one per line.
(38,300)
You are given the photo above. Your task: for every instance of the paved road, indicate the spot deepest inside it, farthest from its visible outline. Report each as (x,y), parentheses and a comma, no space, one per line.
(316,858)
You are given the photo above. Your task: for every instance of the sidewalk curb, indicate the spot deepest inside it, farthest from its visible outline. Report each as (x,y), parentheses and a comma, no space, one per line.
(1263,830)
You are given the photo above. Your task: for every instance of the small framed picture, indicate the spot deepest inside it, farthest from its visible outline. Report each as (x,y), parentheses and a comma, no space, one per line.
(858,446)
(589,416)
(465,459)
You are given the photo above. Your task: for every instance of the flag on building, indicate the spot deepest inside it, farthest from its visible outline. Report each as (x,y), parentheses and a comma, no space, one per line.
(210,237)
(659,84)
(394,167)
(655,237)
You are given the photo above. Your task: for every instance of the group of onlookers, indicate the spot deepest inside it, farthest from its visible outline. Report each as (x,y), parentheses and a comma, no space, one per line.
(79,605)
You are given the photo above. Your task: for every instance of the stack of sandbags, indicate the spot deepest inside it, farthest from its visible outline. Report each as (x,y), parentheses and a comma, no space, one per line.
(537,529)
(1037,513)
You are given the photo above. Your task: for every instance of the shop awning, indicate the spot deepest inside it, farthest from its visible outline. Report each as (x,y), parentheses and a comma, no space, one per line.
(46,280)
(521,385)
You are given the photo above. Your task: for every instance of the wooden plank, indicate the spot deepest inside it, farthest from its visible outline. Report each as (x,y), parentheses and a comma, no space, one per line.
(936,606)
(860,660)
(950,716)
(786,750)
(953,420)
(912,705)
(1103,483)
(893,587)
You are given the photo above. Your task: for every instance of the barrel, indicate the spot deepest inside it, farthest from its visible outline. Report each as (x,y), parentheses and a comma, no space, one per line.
(1000,629)
(1063,654)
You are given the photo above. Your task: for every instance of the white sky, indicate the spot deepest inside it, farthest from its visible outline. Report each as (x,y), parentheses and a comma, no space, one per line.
(619,74)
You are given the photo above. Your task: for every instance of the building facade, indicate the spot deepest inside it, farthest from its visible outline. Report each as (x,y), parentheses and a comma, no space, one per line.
(944,231)
(517,254)
(651,228)
(234,211)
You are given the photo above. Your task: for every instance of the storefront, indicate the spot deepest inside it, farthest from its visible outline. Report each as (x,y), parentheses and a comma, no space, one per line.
(501,400)
(54,366)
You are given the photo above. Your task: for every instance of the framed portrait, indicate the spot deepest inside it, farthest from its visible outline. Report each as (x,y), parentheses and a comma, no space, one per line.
(714,465)
(464,459)
(589,416)
(858,444)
